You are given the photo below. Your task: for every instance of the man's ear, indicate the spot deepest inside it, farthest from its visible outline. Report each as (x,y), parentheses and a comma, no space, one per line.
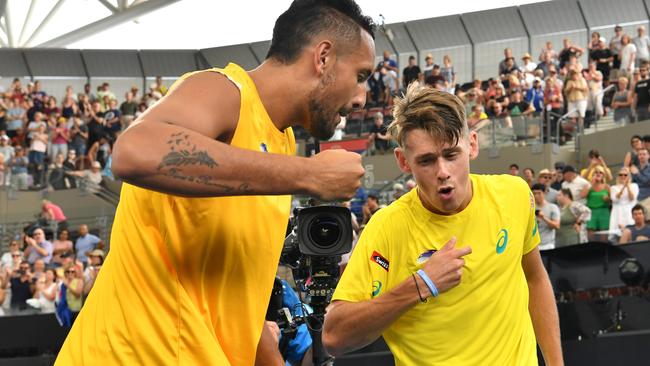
(401,160)
(323,56)
(473,145)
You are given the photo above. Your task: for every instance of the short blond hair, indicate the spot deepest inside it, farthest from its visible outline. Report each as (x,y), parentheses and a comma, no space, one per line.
(439,113)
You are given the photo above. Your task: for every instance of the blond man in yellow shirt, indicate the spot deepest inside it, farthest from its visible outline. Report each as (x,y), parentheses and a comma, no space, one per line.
(449,274)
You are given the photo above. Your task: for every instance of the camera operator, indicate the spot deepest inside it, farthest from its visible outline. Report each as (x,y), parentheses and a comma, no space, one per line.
(294,341)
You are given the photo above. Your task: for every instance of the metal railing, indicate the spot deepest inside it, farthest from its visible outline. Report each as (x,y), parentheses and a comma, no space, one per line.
(12,230)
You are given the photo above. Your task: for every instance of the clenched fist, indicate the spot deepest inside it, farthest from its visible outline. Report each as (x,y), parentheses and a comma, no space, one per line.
(337,175)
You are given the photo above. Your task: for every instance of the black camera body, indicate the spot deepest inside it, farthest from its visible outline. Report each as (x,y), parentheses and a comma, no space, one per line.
(321,231)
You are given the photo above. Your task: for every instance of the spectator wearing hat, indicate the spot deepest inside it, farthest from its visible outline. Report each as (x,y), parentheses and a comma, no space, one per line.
(427,70)
(596,160)
(95,261)
(545,177)
(411,72)
(91,178)
(528,68)
(548,217)
(575,183)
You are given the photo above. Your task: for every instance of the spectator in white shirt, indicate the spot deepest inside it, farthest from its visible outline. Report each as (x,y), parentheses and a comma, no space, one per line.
(574,183)
(628,57)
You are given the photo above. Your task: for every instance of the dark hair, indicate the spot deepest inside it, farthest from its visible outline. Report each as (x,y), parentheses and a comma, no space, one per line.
(646,138)
(304,19)
(531,170)
(636,137)
(567,192)
(638,207)
(514,166)
(538,187)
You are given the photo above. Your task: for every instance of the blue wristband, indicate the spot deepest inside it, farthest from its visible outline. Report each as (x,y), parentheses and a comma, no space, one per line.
(428,282)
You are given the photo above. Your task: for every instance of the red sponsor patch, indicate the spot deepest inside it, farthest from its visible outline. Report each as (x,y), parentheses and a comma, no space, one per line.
(379,259)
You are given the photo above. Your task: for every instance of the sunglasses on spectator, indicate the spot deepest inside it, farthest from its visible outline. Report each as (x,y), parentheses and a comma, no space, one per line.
(15,255)
(73,271)
(622,175)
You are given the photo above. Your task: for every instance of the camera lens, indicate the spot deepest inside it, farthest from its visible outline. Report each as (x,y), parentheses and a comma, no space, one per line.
(324,232)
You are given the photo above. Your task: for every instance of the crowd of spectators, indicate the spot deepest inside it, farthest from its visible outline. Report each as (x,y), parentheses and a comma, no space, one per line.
(556,84)
(45,143)
(36,271)
(593,203)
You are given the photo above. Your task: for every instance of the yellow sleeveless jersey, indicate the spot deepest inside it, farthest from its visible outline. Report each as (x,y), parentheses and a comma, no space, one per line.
(188,280)
(482,321)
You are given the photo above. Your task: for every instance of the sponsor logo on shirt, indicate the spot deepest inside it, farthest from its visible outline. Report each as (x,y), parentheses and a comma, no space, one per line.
(263,148)
(376,288)
(426,255)
(502,241)
(379,259)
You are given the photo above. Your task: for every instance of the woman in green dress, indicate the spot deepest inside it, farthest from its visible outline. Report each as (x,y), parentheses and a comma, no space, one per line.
(573,215)
(598,201)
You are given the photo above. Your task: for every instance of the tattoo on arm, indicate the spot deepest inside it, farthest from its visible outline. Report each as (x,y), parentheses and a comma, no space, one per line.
(184,153)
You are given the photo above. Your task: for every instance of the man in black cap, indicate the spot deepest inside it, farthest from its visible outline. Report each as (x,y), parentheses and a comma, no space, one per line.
(574,183)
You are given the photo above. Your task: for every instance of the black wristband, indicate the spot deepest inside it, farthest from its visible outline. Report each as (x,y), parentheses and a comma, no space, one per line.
(418,288)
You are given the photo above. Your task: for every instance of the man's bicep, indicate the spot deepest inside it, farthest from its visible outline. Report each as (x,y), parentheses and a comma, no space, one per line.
(207,103)
(532,264)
